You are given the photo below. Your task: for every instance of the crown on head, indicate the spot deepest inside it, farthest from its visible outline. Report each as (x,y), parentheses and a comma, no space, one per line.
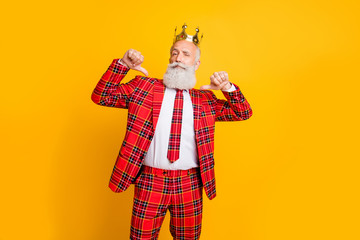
(190,38)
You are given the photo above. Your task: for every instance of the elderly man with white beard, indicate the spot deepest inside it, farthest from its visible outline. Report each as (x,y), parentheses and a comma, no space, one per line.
(168,148)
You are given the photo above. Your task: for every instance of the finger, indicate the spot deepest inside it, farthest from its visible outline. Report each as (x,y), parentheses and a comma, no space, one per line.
(133,55)
(137,62)
(212,78)
(216,74)
(226,76)
(223,84)
(130,54)
(132,59)
(222,75)
(218,78)
(138,59)
(136,55)
(216,81)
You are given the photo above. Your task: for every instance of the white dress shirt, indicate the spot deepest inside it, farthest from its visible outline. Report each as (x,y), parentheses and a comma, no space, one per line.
(157,153)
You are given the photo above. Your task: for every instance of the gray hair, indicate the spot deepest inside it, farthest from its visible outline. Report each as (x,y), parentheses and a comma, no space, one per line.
(198,53)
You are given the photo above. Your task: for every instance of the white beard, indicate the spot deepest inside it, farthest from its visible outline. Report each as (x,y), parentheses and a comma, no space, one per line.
(182,77)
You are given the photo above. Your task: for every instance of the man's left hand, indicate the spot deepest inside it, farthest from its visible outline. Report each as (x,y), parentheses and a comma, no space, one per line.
(218,81)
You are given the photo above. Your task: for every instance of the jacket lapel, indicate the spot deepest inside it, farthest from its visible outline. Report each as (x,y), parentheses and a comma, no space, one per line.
(197,107)
(159,90)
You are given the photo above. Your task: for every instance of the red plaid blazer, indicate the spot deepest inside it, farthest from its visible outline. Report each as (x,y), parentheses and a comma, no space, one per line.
(142,96)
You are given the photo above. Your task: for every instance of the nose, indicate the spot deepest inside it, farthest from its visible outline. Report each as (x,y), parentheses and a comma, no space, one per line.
(178,58)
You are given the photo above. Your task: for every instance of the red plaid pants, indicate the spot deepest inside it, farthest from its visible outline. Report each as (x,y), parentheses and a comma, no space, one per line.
(157,190)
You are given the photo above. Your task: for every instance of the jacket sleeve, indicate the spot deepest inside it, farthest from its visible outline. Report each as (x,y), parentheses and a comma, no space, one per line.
(109,91)
(234,108)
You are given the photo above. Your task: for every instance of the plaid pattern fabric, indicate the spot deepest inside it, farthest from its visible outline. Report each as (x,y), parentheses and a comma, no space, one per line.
(175,132)
(158,190)
(142,96)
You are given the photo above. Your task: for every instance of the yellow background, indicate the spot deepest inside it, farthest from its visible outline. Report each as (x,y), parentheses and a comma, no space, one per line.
(290,172)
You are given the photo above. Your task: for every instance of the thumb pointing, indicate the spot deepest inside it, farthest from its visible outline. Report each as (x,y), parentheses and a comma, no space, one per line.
(143,70)
(205,87)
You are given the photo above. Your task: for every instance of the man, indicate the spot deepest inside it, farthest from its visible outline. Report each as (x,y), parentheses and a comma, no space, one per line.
(169,142)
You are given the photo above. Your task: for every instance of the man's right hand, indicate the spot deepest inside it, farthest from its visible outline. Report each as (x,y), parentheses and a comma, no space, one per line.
(133,60)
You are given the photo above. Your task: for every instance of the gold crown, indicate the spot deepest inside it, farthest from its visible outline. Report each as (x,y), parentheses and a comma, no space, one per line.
(190,38)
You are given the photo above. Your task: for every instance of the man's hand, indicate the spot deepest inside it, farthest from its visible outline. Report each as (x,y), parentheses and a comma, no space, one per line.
(218,81)
(133,60)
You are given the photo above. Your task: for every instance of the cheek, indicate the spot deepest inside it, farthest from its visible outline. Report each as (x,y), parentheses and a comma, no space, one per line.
(191,62)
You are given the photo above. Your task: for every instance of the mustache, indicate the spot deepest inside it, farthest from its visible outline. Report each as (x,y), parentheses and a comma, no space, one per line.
(177,64)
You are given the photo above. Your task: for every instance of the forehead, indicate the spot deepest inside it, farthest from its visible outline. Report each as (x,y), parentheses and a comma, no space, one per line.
(184,45)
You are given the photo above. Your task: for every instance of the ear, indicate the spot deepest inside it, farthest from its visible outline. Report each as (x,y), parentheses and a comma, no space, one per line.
(197,64)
